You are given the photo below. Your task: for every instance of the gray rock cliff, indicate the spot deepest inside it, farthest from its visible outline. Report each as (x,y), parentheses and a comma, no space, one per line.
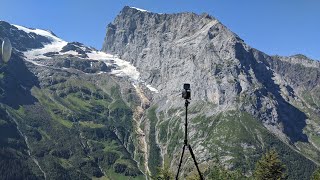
(225,75)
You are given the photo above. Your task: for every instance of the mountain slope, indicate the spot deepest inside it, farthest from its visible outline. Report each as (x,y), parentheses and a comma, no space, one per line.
(71,109)
(243,101)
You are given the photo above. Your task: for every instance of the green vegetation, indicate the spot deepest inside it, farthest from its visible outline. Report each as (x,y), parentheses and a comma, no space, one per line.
(164,173)
(310,99)
(236,138)
(14,160)
(216,172)
(90,124)
(175,136)
(78,127)
(316,175)
(155,156)
(270,167)
(1,75)
(75,128)
(164,128)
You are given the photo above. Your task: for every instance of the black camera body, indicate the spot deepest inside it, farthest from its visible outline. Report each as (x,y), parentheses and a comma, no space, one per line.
(186,92)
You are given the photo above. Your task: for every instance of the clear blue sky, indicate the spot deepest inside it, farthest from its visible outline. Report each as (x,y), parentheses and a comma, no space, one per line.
(283,27)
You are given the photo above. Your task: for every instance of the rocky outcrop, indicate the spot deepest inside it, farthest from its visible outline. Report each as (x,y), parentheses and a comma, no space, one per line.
(169,49)
(21,40)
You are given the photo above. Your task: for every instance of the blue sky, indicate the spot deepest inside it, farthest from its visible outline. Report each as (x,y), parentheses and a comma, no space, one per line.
(283,27)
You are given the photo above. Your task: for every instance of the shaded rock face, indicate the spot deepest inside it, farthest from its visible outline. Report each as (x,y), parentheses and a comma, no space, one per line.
(77,47)
(17,83)
(300,71)
(21,40)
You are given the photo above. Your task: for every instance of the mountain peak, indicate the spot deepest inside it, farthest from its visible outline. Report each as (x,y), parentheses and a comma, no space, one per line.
(41,32)
(300,56)
(139,9)
(133,10)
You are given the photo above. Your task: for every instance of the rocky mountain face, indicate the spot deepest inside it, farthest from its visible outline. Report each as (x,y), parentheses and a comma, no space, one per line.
(69,111)
(243,100)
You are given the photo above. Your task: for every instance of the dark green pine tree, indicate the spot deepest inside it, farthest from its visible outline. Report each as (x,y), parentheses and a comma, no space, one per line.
(270,167)
(164,173)
(316,175)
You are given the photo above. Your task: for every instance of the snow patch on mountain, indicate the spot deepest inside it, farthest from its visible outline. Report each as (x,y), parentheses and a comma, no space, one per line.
(152,88)
(139,9)
(37,31)
(56,44)
(123,68)
(68,52)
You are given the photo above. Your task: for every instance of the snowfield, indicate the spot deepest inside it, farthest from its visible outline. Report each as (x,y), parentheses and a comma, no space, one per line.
(123,68)
(56,44)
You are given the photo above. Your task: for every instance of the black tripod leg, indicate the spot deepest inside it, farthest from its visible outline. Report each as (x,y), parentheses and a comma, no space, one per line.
(195,162)
(184,147)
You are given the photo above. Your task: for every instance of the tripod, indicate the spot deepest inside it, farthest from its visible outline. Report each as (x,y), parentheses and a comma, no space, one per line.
(187,145)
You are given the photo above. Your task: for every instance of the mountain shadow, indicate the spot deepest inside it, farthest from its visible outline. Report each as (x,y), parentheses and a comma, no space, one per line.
(16,82)
(292,118)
